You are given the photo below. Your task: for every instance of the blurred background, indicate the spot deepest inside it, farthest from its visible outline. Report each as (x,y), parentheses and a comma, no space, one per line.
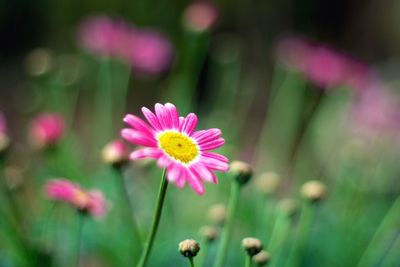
(239,65)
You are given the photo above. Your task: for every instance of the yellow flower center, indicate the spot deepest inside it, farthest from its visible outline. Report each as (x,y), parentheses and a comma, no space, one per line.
(178,146)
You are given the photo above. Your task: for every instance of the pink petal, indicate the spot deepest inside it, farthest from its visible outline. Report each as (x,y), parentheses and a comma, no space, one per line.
(138,138)
(208,135)
(152,119)
(181,179)
(214,163)
(189,124)
(215,156)
(173,172)
(212,144)
(138,124)
(173,114)
(204,173)
(164,161)
(148,152)
(195,182)
(163,116)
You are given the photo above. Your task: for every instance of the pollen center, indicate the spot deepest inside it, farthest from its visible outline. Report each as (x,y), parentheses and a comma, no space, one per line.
(178,146)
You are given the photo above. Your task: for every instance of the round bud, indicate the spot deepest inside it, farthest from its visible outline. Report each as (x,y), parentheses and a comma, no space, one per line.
(200,17)
(241,171)
(288,206)
(189,248)
(268,182)
(4,142)
(313,191)
(115,153)
(252,245)
(217,214)
(261,258)
(38,62)
(210,233)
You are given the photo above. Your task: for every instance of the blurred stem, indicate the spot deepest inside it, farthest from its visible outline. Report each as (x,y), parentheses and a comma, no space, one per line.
(121,95)
(248,261)
(279,236)
(81,218)
(156,220)
(203,253)
(392,255)
(191,262)
(118,175)
(228,227)
(390,221)
(302,233)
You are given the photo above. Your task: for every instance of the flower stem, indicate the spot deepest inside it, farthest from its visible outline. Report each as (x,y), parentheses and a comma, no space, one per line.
(81,216)
(203,253)
(191,262)
(156,220)
(248,261)
(227,230)
(279,236)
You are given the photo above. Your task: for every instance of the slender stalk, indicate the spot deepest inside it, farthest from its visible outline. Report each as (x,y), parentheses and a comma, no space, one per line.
(248,261)
(81,216)
(302,233)
(279,236)
(392,255)
(390,220)
(227,230)
(191,262)
(156,220)
(205,244)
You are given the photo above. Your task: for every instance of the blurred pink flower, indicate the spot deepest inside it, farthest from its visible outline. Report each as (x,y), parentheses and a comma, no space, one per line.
(150,52)
(321,64)
(47,129)
(63,190)
(200,16)
(115,153)
(173,141)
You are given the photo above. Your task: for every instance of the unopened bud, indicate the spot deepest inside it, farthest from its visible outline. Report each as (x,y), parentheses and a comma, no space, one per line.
(47,130)
(189,248)
(200,17)
(252,245)
(313,191)
(210,233)
(262,258)
(115,153)
(268,182)
(4,142)
(38,62)
(288,206)
(217,214)
(241,171)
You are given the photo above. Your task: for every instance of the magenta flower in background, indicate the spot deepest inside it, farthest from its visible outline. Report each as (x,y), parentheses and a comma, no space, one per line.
(173,141)
(92,202)
(47,129)
(323,65)
(200,16)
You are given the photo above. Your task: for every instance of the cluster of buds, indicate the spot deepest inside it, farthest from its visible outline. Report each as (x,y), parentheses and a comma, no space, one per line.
(254,249)
(89,202)
(47,130)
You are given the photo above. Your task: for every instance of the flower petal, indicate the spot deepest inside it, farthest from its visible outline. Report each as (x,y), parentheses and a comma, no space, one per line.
(152,119)
(138,124)
(164,161)
(212,144)
(173,114)
(138,138)
(204,173)
(208,135)
(148,152)
(214,163)
(163,116)
(195,182)
(189,124)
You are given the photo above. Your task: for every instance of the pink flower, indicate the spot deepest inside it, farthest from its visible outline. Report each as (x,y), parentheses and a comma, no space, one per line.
(115,153)
(63,190)
(150,52)
(173,141)
(47,129)
(200,16)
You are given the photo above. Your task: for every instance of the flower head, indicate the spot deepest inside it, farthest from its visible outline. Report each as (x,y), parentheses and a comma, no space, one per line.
(63,190)
(115,153)
(189,248)
(200,16)
(173,141)
(47,129)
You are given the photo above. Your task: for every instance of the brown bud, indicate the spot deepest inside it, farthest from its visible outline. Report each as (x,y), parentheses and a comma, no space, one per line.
(288,206)
(189,248)
(262,258)
(268,182)
(252,245)
(38,62)
(241,171)
(4,142)
(217,214)
(210,233)
(314,191)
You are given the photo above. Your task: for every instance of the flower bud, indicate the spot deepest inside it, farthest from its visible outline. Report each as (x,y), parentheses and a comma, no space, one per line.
(38,62)
(268,182)
(189,248)
(241,171)
(115,153)
(47,130)
(262,258)
(200,17)
(210,233)
(288,206)
(313,191)
(4,139)
(252,245)
(217,214)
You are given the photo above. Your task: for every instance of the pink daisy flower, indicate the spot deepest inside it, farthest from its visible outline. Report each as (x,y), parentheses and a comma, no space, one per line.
(91,202)
(47,129)
(173,141)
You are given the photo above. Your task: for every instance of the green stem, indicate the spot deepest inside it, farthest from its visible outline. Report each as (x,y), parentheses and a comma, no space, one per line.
(302,233)
(392,255)
(389,221)
(81,216)
(203,253)
(279,236)
(248,261)
(156,220)
(227,230)
(191,262)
